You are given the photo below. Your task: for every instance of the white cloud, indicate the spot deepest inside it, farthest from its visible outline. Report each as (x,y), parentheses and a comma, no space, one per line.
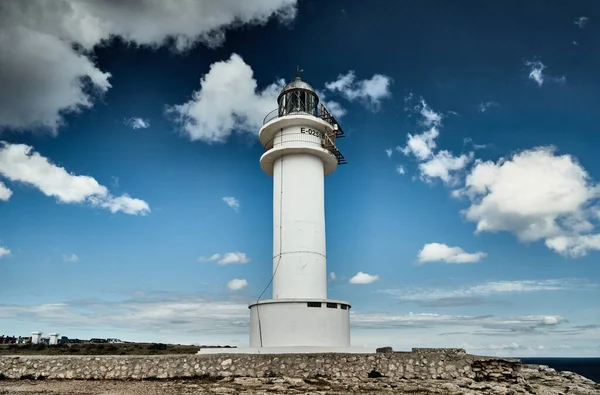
(430,117)
(442,165)
(232,202)
(43,76)
(487,321)
(581,21)
(535,195)
(536,69)
(227,101)
(236,284)
(332,276)
(234,257)
(70,258)
(400,169)
(484,106)
(4,252)
(421,145)
(5,192)
(389,152)
(334,107)
(437,252)
(536,73)
(490,288)
(363,278)
(468,140)
(137,123)
(574,245)
(19,163)
(227,258)
(195,319)
(370,91)
(213,257)
(154,316)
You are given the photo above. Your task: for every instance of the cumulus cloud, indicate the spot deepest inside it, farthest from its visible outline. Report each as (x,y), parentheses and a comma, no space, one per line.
(5,192)
(19,163)
(581,21)
(227,101)
(4,252)
(400,170)
(46,48)
(437,252)
(389,152)
(137,123)
(72,258)
(332,276)
(236,284)
(536,195)
(421,145)
(363,278)
(232,202)
(441,164)
(370,91)
(227,258)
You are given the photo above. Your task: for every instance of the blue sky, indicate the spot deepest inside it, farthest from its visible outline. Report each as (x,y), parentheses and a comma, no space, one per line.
(132,204)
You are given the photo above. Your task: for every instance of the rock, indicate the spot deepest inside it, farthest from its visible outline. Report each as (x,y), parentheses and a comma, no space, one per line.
(385,350)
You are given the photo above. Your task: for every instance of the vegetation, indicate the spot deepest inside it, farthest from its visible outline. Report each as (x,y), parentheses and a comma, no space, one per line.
(97,349)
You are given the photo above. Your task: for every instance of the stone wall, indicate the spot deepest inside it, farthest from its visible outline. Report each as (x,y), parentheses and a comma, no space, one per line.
(441,364)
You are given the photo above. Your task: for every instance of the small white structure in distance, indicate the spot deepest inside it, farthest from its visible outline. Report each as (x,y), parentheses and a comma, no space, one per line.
(299,140)
(36,337)
(53,339)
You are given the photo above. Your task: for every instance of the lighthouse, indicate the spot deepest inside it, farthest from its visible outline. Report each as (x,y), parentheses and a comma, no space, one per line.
(299,140)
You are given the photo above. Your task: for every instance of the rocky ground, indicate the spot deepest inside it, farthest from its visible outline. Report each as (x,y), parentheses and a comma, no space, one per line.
(537,380)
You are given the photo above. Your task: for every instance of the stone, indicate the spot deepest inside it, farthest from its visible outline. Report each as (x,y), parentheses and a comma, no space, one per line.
(398,372)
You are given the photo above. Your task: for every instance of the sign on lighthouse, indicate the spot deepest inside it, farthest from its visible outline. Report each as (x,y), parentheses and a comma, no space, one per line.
(299,139)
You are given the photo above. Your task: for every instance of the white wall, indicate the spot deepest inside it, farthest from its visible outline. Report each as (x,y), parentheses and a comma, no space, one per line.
(295,324)
(53,339)
(36,337)
(299,252)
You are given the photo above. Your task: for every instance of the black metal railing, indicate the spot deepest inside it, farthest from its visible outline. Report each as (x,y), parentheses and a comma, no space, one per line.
(320,112)
(305,139)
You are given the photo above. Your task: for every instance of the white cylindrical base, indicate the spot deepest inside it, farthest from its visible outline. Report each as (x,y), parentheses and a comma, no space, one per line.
(299,260)
(294,323)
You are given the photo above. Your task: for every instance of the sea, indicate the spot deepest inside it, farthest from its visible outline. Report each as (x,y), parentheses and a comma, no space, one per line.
(587,367)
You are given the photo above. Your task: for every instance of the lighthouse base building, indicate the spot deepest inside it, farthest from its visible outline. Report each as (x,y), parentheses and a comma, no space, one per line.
(300,151)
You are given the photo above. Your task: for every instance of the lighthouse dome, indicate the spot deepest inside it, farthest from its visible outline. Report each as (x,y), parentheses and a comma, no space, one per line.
(298,97)
(297,83)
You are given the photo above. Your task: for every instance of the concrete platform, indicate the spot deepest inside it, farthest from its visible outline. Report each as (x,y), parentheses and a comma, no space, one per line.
(288,350)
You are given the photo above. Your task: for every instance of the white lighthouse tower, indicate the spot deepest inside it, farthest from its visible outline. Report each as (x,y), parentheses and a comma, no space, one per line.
(299,140)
